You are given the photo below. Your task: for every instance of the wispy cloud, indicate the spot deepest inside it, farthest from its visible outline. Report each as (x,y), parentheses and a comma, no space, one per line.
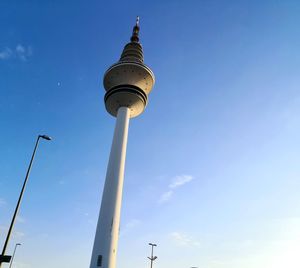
(20,52)
(181,239)
(2,202)
(6,53)
(18,234)
(131,224)
(180,180)
(23,53)
(15,234)
(165,196)
(61,182)
(176,182)
(20,219)
(22,264)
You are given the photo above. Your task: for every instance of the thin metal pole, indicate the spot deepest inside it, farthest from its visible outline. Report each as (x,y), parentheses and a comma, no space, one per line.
(12,258)
(151,256)
(20,199)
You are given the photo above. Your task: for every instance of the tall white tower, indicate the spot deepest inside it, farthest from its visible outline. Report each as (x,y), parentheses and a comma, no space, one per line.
(127,83)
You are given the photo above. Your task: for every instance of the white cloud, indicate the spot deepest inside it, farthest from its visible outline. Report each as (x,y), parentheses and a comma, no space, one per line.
(15,234)
(2,202)
(180,239)
(177,181)
(18,234)
(20,49)
(278,247)
(22,265)
(20,52)
(165,196)
(20,219)
(180,180)
(131,224)
(6,53)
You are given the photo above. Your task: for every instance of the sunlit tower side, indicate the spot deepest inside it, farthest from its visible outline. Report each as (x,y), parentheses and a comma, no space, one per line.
(127,83)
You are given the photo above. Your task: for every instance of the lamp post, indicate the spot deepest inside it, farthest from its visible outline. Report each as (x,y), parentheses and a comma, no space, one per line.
(7,258)
(12,258)
(152,258)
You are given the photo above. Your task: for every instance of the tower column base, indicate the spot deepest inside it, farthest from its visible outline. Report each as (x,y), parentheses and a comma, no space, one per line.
(106,239)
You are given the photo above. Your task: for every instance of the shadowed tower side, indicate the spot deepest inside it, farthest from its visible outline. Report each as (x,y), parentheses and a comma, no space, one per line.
(127,83)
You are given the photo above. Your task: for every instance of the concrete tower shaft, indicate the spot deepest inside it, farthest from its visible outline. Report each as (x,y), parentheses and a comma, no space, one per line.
(129,81)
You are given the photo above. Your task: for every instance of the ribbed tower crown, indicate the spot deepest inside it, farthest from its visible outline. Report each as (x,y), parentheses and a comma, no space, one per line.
(133,51)
(129,81)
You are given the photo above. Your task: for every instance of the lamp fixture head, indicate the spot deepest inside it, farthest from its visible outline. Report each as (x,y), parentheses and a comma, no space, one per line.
(45,137)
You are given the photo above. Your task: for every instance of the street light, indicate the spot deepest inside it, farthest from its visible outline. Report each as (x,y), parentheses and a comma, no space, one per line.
(12,258)
(7,258)
(152,258)
(45,137)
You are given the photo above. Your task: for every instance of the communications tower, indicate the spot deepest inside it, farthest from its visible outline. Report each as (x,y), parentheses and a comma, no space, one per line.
(127,83)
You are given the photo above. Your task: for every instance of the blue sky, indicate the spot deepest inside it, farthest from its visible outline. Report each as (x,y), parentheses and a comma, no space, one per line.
(212,169)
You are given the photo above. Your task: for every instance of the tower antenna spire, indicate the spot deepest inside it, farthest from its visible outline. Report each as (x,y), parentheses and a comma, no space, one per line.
(136,30)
